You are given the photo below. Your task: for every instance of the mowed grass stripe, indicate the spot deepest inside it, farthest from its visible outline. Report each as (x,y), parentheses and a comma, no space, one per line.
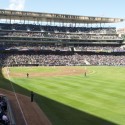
(78,83)
(57,86)
(64,98)
(89,96)
(52,89)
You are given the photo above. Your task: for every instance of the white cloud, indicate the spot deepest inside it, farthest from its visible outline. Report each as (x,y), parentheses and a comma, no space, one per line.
(16,4)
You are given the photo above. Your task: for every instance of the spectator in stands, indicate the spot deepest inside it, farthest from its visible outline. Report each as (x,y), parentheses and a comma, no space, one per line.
(5,119)
(3,111)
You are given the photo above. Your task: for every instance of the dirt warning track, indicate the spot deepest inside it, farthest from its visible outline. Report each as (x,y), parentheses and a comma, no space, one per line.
(33,114)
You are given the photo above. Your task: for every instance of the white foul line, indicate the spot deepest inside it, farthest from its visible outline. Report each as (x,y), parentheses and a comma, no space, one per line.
(16,97)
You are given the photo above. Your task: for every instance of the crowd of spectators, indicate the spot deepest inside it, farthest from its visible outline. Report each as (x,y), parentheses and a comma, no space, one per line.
(45,60)
(48,28)
(100,48)
(40,47)
(109,60)
(4,120)
(32,46)
(62,60)
(81,36)
(64,33)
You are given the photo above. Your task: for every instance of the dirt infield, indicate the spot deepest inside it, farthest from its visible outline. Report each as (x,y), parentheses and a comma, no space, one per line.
(32,113)
(61,71)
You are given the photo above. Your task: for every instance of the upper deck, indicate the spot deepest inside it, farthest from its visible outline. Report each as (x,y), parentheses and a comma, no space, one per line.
(52,17)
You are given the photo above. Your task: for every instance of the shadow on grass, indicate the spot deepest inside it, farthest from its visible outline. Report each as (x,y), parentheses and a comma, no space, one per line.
(58,113)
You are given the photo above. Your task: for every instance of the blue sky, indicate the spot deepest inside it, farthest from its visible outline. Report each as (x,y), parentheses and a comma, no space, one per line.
(105,8)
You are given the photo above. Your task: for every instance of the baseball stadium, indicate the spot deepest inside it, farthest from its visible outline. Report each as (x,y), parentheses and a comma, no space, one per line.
(61,69)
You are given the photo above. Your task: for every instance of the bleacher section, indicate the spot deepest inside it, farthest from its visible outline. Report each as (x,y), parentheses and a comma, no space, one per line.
(40,45)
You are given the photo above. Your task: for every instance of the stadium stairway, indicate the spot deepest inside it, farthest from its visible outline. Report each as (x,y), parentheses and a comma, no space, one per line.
(86,62)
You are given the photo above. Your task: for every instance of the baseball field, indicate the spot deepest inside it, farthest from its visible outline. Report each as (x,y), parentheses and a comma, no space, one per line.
(68,97)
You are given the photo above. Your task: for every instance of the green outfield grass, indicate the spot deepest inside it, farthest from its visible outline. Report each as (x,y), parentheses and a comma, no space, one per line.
(98,99)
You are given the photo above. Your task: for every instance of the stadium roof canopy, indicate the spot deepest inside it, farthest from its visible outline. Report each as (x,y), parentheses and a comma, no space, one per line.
(52,17)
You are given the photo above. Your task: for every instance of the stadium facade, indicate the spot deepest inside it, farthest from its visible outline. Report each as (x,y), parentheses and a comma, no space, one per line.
(32,38)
